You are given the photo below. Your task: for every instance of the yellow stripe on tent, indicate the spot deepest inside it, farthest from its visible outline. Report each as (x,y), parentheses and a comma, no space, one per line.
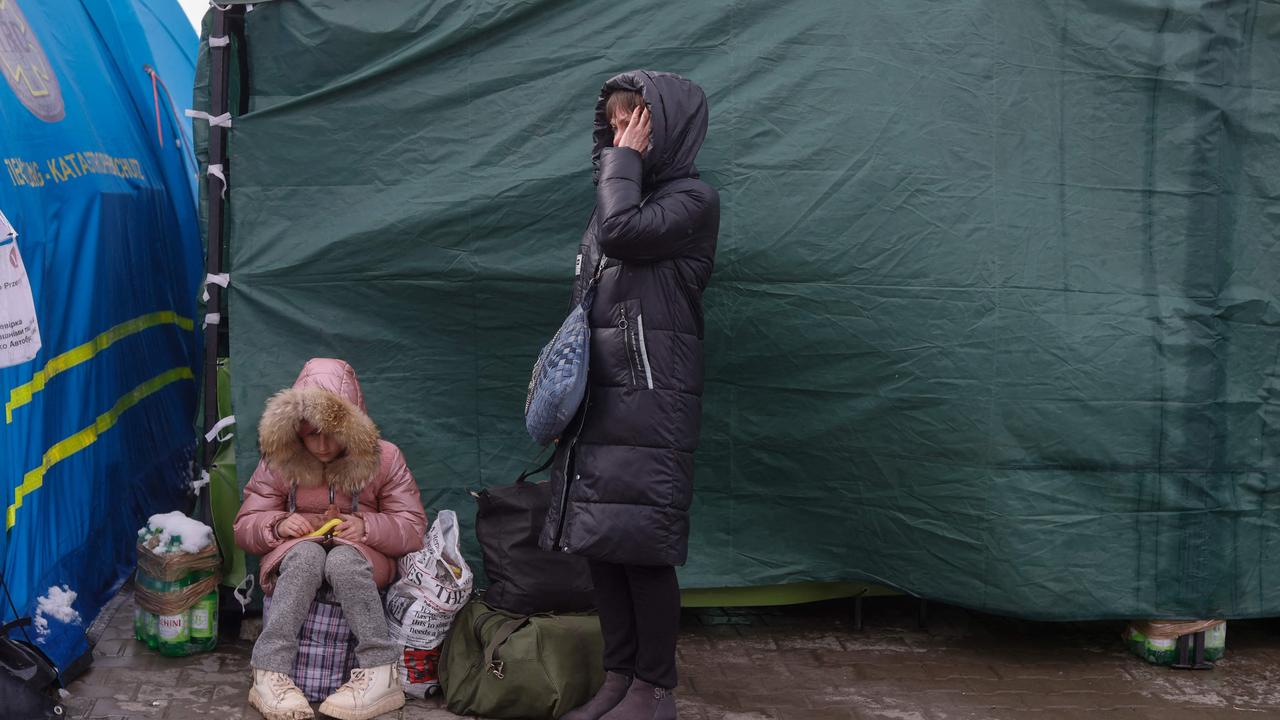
(86,437)
(22,394)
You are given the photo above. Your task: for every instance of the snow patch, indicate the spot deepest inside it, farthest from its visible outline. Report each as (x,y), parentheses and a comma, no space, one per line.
(195,535)
(55,604)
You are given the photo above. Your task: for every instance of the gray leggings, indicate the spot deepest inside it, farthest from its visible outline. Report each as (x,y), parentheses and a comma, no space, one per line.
(302,570)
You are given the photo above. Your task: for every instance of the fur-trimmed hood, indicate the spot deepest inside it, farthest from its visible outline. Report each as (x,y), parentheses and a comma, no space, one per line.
(327,395)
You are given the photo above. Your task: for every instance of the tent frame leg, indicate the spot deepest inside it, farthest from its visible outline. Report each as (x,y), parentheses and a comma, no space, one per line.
(1190,649)
(219,80)
(220,59)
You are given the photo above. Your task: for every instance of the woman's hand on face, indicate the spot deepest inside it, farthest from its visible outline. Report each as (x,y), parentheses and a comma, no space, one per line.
(352,528)
(293,526)
(636,133)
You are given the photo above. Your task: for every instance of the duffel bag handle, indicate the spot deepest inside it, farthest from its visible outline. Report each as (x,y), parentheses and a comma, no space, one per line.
(524,475)
(14,625)
(506,630)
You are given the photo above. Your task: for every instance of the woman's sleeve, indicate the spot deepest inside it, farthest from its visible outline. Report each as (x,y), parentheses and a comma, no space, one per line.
(657,230)
(398,526)
(265,503)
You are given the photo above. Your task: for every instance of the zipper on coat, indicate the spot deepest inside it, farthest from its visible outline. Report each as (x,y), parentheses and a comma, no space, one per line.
(564,497)
(637,353)
(625,327)
(558,541)
(644,353)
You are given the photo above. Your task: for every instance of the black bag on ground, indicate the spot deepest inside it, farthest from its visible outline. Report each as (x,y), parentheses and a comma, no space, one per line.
(524,578)
(27,679)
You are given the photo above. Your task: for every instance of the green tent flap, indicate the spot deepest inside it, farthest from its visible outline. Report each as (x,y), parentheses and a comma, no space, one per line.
(994,319)
(224,488)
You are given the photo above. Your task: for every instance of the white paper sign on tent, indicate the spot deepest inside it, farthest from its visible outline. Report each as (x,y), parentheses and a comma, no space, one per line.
(19,330)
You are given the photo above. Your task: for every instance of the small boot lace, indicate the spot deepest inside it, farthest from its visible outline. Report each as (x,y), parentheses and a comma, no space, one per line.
(360,680)
(279,684)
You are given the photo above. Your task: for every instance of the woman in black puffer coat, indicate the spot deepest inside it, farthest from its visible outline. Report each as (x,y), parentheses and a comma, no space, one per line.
(622,480)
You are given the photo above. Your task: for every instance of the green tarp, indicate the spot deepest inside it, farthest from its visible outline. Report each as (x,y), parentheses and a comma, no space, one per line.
(994,319)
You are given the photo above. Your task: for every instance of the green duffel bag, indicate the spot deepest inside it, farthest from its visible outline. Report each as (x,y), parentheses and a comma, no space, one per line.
(498,664)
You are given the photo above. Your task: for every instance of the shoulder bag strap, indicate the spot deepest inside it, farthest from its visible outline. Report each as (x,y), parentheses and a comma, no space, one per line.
(589,294)
(506,630)
(477,624)
(595,277)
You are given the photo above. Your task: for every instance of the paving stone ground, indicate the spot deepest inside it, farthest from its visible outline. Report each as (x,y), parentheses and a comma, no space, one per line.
(802,663)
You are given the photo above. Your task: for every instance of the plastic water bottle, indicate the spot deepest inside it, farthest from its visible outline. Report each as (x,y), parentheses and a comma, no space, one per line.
(175,634)
(152,630)
(145,627)
(204,619)
(175,629)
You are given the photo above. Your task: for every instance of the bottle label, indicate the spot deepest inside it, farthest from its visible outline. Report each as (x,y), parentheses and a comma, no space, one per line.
(174,628)
(200,621)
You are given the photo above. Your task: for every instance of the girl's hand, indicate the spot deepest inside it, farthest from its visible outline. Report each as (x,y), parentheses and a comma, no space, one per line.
(635,134)
(352,528)
(293,526)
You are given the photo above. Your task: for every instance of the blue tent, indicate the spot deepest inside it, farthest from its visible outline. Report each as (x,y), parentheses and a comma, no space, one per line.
(98,181)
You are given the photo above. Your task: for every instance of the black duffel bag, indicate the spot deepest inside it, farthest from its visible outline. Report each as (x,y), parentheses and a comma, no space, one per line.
(27,679)
(523,578)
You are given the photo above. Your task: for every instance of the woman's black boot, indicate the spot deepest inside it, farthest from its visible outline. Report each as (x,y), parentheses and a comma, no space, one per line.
(644,702)
(609,695)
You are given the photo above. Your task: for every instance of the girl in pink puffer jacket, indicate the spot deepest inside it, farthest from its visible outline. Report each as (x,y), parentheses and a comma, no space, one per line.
(322,458)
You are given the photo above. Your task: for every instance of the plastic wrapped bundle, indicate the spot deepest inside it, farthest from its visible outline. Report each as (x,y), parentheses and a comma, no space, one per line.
(177,586)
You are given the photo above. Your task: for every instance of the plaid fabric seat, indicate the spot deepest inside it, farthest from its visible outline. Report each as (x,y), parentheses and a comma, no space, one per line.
(326,647)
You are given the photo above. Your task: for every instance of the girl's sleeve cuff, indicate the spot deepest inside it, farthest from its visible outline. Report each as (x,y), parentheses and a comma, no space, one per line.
(273,538)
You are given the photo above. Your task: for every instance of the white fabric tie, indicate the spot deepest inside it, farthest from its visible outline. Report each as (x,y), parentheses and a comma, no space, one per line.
(223,120)
(219,427)
(201,483)
(216,171)
(222,280)
(244,591)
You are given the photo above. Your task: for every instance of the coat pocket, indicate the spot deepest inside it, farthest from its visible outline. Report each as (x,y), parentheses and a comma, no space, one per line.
(629,318)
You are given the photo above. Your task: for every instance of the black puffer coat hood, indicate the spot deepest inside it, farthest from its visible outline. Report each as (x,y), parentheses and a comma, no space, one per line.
(622,481)
(677,124)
